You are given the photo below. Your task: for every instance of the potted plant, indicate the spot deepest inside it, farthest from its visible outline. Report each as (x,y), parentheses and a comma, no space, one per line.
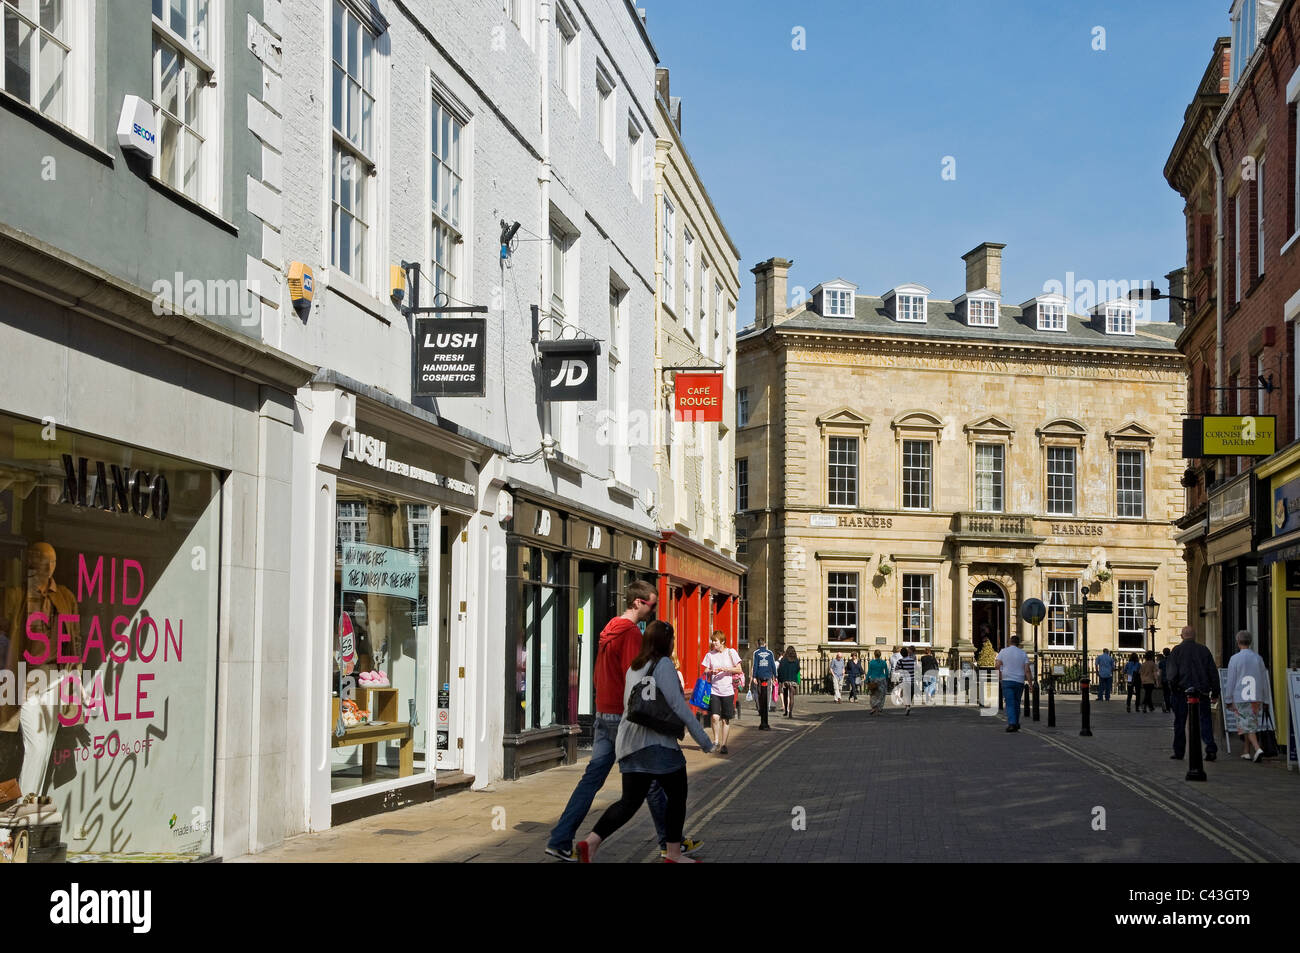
(885,567)
(1103,574)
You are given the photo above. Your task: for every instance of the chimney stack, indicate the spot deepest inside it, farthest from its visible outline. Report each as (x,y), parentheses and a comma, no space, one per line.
(769,291)
(984,267)
(1178,287)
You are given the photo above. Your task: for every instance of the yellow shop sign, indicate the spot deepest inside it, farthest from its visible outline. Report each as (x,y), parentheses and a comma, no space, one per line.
(1249,436)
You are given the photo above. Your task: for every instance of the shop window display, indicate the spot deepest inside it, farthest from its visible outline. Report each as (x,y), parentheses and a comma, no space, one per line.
(381,643)
(109,575)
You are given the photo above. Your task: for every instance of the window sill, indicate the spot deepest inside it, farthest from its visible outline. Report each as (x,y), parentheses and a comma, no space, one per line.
(1289,242)
(198,208)
(353,291)
(65,134)
(1259,280)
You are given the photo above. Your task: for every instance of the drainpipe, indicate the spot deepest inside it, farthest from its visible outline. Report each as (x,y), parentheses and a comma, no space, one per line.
(544,181)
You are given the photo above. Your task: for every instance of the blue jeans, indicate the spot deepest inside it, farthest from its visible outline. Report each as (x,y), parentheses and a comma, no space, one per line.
(1013,692)
(604,731)
(1104,683)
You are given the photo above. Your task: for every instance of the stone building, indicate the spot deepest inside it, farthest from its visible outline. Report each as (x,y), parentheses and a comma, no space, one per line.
(697,282)
(918,467)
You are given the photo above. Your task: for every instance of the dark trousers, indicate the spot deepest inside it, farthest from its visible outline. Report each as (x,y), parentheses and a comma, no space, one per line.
(1180,725)
(636,785)
(764,699)
(1169,701)
(1146,696)
(1134,696)
(853,687)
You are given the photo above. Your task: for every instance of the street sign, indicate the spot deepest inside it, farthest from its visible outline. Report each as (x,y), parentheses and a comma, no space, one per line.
(1033,611)
(1096,605)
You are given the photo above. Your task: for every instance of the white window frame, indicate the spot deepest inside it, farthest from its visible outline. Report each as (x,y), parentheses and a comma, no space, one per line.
(568,57)
(982,312)
(852,478)
(717,319)
(922,584)
(1124,506)
(1259,214)
(669,238)
(928,470)
(1049,473)
(449,220)
(1244,36)
(1051,317)
(855,602)
(606,110)
(910,308)
(1237,204)
(688,287)
(207,187)
(350,162)
(523,14)
(1062,628)
(742,483)
(635,145)
(1131,607)
(742,406)
(839,303)
(1119,320)
(74,35)
(1000,481)
(705,272)
(561,242)
(616,398)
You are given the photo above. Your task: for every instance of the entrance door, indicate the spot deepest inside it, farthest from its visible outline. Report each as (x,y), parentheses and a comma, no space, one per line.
(989,615)
(449,728)
(594,613)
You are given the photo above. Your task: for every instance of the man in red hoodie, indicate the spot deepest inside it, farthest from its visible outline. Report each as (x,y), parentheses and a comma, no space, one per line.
(620,642)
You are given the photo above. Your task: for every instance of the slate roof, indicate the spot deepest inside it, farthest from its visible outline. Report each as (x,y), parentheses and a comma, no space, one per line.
(871,318)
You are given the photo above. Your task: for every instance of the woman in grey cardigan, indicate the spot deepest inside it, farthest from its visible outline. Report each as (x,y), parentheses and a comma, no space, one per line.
(645,755)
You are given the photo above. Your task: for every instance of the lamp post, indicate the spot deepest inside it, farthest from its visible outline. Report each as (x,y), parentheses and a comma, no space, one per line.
(1085,710)
(1153,612)
(1034,611)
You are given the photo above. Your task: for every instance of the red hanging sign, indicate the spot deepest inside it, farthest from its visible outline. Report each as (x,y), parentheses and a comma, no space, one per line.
(699,398)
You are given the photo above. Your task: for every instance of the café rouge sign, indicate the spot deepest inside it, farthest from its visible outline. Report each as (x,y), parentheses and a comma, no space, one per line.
(698,398)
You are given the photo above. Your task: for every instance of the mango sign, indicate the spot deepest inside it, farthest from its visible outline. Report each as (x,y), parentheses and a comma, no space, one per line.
(699,398)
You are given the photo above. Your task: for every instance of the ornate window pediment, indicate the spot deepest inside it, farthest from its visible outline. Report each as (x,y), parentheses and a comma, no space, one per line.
(1130,431)
(844,418)
(988,427)
(1062,430)
(918,423)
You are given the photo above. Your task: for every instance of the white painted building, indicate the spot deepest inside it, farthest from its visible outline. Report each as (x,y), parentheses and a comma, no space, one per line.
(421,132)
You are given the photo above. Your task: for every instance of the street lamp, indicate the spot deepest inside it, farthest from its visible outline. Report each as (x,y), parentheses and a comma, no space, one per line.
(1084,708)
(1153,612)
(1150,293)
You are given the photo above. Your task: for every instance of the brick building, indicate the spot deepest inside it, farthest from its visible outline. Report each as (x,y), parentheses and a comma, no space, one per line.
(1255,575)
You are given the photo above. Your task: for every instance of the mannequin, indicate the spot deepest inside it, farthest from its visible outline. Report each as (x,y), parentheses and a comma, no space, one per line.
(37,715)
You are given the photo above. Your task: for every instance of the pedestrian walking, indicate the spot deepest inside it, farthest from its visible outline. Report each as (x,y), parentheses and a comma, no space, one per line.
(1150,675)
(1247,684)
(837,674)
(853,672)
(1163,664)
(1191,668)
(762,673)
(878,679)
(906,669)
(929,677)
(895,679)
(1013,675)
(1105,675)
(787,673)
(1133,682)
(650,758)
(619,643)
(720,665)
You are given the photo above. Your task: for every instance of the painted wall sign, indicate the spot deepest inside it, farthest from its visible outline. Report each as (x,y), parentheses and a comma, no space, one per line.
(137,127)
(698,398)
(382,570)
(861,521)
(373,452)
(1239,436)
(450,357)
(1078,529)
(569,370)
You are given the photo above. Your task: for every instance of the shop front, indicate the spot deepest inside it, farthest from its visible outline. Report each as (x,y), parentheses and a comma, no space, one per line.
(699,592)
(1230,549)
(566,572)
(109,575)
(393,614)
(1279,550)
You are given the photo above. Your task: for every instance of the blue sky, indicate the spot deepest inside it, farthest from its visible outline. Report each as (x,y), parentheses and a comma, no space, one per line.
(833,155)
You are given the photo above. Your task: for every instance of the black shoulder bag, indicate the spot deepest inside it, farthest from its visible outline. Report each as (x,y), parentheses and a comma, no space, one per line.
(646,707)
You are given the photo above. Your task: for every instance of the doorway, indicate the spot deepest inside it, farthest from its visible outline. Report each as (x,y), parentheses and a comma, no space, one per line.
(595,609)
(451,615)
(988,615)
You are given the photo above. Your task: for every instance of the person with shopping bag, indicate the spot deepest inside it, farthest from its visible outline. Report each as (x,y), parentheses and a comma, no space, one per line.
(720,667)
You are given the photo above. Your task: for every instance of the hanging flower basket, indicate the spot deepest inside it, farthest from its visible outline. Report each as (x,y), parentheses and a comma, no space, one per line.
(885,568)
(1103,575)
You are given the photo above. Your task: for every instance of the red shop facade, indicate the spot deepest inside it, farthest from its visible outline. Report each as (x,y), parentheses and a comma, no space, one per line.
(699,593)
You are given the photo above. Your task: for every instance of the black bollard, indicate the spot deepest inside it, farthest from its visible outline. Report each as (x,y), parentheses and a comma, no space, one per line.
(1051,702)
(1085,710)
(1034,689)
(1028,707)
(1195,767)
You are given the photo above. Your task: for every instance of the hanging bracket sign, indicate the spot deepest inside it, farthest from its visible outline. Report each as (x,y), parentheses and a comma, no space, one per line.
(698,398)
(450,357)
(569,370)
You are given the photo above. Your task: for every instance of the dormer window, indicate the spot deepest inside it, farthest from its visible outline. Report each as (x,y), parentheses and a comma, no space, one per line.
(1051,317)
(834,299)
(1119,319)
(839,303)
(981,312)
(1245,36)
(908,303)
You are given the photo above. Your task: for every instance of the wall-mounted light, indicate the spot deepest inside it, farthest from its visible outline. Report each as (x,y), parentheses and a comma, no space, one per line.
(508,232)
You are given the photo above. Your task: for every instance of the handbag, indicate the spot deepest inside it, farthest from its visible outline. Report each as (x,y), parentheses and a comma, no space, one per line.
(647,707)
(702,694)
(1267,735)
(738,679)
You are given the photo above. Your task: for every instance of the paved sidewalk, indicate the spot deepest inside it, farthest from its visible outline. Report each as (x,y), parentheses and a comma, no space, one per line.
(509,821)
